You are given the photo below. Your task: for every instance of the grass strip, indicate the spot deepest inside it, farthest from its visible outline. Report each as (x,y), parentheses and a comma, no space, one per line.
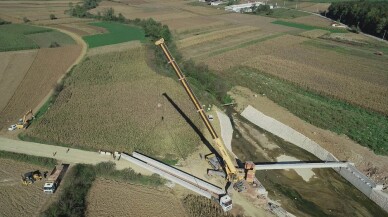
(37,160)
(307,27)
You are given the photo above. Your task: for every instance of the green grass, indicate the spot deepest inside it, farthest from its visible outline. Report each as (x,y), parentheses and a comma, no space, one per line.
(285,13)
(40,161)
(118,33)
(44,39)
(15,36)
(307,27)
(365,127)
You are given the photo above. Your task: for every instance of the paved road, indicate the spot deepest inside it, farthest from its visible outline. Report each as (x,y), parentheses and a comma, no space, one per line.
(74,156)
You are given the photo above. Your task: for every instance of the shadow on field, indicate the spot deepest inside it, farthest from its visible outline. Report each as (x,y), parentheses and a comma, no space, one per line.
(192,125)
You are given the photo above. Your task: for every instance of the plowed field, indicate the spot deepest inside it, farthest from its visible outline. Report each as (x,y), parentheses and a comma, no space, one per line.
(49,65)
(111,198)
(18,199)
(13,67)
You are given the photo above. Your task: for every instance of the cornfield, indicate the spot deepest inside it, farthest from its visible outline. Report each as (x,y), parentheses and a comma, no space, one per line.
(114,101)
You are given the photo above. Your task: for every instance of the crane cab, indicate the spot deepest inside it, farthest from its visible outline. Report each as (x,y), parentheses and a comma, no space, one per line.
(226,203)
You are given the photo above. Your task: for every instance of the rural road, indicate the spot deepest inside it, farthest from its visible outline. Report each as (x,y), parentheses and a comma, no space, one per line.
(74,156)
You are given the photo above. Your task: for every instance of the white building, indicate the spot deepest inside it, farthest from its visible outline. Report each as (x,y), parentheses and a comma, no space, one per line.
(247,7)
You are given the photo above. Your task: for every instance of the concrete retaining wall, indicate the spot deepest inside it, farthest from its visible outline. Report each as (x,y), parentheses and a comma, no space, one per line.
(350,173)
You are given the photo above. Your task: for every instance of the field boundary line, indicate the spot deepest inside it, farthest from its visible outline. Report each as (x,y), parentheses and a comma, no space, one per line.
(84,46)
(24,77)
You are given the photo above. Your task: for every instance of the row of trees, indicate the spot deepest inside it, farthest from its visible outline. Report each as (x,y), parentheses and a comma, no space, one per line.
(82,10)
(369,17)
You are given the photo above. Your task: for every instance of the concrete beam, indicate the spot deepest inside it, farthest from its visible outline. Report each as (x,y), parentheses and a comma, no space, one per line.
(166,175)
(299,165)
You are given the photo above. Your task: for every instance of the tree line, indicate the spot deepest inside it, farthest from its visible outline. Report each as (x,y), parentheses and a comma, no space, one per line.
(369,17)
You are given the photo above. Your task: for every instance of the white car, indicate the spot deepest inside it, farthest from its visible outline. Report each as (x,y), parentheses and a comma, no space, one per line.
(12,127)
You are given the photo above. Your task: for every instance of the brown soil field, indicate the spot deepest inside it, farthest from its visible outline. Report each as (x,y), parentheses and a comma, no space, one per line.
(198,23)
(346,77)
(64,20)
(314,33)
(235,57)
(49,65)
(13,67)
(124,99)
(34,10)
(316,8)
(114,48)
(205,50)
(350,37)
(18,199)
(112,198)
(71,29)
(216,35)
(313,20)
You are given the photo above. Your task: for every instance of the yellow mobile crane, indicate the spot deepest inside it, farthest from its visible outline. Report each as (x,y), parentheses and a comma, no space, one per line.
(233,174)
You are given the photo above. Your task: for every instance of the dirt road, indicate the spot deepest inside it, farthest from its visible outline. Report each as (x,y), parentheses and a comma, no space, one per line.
(74,156)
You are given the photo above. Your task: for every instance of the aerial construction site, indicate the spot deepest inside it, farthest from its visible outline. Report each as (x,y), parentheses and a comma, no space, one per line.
(192,108)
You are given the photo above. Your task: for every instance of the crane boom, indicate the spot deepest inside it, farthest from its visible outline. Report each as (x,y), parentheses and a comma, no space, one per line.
(229,165)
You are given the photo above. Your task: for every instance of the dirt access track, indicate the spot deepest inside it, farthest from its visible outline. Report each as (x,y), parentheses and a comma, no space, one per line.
(31,88)
(73,156)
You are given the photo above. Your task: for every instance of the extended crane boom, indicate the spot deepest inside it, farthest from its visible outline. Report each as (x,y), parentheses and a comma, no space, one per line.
(232,172)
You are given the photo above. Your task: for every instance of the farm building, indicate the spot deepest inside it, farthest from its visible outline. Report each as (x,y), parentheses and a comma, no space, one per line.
(247,7)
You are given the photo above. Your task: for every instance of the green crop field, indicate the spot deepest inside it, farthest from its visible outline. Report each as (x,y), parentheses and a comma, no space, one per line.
(15,36)
(118,33)
(307,27)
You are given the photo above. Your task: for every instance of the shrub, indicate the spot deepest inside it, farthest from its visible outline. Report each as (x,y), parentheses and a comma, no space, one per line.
(3,22)
(54,44)
(26,20)
(53,17)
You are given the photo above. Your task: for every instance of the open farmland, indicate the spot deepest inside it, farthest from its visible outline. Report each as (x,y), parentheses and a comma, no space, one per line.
(49,65)
(208,37)
(118,33)
(23,37)
(13,67)
(15,11)
(308,27)
(45,39)
(319,69)
(82,28)
(14,36)
(313,20)
(119,105)
(17,199)
(112,198)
